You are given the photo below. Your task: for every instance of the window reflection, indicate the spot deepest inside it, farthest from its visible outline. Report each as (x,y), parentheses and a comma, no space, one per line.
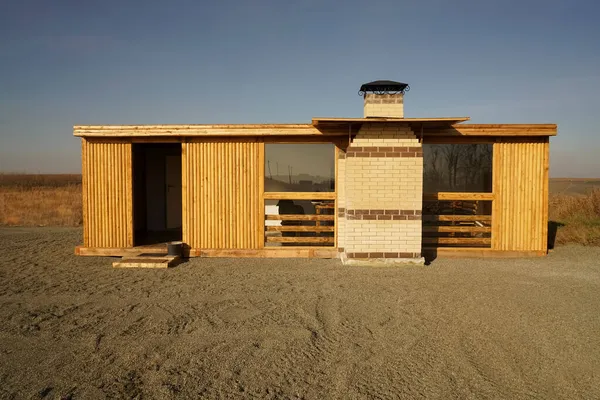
(457,168)
(299,167)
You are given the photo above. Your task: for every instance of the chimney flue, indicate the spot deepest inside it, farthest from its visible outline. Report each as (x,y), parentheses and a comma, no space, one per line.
(384,99)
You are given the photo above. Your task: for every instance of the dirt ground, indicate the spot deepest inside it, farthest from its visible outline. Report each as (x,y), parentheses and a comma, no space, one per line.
(72,327)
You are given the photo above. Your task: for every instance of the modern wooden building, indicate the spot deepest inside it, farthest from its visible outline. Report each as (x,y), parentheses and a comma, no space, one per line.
(381,188)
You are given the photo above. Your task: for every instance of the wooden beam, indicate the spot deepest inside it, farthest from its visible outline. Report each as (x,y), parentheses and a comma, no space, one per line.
(329,120)
(299,196)
(434,229)
(457,196)
(446,240)
(203,130)
(300,239)
(300,228)
(493,130)
(457,217)
(478,252)
(279,252)
(322,127)
(275,252)
(147,262)
(120,251)
(299,217)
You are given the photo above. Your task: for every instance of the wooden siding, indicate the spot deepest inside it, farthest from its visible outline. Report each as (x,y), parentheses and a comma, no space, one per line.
(520,212)
(222,188)
(107,194)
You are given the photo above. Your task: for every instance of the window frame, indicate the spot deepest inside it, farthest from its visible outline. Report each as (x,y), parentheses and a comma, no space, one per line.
(337,144)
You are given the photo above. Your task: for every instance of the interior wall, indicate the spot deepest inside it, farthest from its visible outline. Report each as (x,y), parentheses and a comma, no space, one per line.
(155,189)
(150,181)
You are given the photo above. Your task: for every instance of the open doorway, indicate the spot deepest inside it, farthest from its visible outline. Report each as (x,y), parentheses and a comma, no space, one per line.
(156,192)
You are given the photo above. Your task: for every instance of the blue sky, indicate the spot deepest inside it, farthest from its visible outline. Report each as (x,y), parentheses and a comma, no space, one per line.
(124,62)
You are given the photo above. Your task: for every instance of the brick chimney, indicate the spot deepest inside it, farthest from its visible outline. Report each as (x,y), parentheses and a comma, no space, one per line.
(384,99)
(380,184)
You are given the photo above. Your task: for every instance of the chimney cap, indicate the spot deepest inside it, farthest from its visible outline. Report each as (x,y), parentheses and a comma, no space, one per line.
(383,87)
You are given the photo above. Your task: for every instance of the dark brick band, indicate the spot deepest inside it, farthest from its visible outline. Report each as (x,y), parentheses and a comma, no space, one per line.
(384,152)
(383,255)
(394,215)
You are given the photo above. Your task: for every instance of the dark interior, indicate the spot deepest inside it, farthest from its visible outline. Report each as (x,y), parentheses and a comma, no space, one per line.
(156,193)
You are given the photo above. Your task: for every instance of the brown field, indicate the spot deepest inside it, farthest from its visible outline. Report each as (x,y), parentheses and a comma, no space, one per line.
(75,328)
(40,200)
(571,186)
(55,200)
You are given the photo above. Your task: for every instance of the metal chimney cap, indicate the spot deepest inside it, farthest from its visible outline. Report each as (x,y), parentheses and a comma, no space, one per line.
(384,87)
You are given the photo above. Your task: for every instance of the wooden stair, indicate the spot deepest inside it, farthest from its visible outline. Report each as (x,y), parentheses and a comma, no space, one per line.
(147,261)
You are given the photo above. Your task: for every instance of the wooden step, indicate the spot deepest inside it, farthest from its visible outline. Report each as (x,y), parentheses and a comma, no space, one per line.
(147,261)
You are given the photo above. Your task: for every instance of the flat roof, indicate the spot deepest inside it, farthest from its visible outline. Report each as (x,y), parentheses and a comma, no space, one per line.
(445,126)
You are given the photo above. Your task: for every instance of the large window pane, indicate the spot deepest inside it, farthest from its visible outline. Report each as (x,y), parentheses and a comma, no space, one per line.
(457,168)
(300,167)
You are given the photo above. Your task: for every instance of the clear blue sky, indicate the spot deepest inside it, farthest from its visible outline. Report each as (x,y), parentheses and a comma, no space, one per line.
(123,62)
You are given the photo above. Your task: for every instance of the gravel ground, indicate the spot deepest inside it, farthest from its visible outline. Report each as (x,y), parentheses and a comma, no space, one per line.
(73,327)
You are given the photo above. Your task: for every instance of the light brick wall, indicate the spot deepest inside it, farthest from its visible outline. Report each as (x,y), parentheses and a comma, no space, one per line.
(341,199)
(384,105)
(380,191)
(363,236)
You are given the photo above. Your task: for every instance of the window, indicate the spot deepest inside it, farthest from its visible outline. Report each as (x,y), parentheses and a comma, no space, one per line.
(457,168)
(299,167)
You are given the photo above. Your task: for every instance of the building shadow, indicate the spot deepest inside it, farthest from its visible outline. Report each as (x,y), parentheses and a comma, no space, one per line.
(552,230)
(429,255)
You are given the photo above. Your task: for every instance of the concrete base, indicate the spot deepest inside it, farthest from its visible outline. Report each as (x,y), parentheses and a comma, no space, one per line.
(381,262)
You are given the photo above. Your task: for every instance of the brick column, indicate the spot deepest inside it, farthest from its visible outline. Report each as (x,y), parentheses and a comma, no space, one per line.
(380,196)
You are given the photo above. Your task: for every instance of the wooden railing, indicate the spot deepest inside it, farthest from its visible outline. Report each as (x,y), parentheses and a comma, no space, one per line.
(457,220)
(293,226)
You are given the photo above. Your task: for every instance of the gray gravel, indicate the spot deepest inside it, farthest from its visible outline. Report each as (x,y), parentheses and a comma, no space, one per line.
(73,327)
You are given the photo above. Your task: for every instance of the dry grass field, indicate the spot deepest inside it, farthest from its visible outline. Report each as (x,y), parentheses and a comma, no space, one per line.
(75,328)
(55,200)
(576,217)
(40,200)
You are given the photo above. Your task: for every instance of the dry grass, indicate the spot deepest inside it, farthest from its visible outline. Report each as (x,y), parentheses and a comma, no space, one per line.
(39,180)
(577,217)
(40,200)
(55,200)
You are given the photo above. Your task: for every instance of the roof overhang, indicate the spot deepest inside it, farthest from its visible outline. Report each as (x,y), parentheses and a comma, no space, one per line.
(235,130)
(442,122)
(322,127)
(443,127)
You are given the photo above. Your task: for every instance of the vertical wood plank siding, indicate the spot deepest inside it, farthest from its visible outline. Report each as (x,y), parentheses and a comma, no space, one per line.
(520,215)
(222,200)
(107,194)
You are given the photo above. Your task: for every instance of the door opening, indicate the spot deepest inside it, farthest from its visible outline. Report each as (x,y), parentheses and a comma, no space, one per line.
(157,201)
